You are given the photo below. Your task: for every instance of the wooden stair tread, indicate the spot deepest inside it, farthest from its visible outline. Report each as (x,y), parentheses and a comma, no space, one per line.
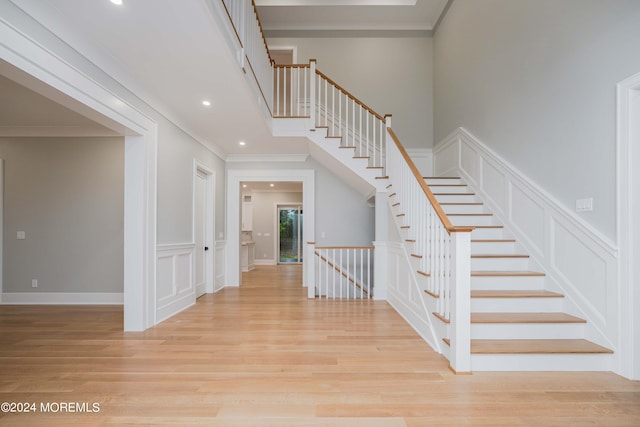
(489,273)
(515,294)
(535,347)
(525,318)
(383,177)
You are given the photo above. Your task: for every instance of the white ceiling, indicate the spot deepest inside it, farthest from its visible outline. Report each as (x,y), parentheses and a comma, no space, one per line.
(172,55)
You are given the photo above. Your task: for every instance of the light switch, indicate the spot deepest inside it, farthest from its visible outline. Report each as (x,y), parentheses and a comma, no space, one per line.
(21,235)
(584,205)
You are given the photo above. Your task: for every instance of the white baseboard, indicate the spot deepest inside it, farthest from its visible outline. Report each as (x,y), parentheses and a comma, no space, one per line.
(265,262)
(62,298)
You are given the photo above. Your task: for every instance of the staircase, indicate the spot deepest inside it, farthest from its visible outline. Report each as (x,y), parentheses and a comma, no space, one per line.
(515,323)
(474,294)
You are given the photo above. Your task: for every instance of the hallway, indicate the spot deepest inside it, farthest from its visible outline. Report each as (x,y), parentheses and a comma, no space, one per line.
(265,355)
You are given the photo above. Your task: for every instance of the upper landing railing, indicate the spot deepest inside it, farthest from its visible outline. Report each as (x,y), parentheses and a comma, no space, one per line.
(301,91)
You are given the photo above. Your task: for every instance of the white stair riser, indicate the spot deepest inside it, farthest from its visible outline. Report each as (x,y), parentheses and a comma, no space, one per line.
(456,198)
(499,264)
(516,305)
(449,189)
(464,209)
(522,283)
(493,247)
(542,362)
(527,331)
(474,220)
(489,234)
(443,181)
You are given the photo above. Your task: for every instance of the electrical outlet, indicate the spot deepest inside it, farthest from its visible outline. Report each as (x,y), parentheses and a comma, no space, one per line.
(584,205)
(21,235)
(34,283)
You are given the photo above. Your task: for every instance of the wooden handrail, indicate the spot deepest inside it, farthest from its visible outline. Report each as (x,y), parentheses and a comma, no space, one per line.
(346,92)
(264,39)
(444,219)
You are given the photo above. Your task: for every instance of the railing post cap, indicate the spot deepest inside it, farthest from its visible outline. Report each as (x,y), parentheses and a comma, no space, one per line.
(313,60)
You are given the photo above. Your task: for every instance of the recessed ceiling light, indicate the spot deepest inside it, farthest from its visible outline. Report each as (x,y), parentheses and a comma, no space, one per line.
(206,103)
(244,185)
(242,143)
(272,185)
(118,2)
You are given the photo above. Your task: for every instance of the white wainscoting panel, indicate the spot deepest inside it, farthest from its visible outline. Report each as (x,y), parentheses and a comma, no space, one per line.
(577,259)
(403,293)
(495,184)
(175,288)
(423,159)
(220,264)
(528,217)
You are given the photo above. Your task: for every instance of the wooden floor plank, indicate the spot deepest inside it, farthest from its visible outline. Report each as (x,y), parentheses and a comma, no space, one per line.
(265,355)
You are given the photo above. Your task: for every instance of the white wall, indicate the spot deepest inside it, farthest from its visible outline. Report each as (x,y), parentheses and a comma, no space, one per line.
(392,75)
(67,195)
(535,81)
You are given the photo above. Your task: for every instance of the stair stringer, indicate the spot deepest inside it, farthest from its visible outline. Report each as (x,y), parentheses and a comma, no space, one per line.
(303,127)
(406,294)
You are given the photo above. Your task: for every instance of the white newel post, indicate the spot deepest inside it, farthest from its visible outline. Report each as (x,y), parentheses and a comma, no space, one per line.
(380,253)
(460,326)
(312,93)
(311,279)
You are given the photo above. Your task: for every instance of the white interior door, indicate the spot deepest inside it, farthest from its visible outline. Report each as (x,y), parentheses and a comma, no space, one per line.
(200,232)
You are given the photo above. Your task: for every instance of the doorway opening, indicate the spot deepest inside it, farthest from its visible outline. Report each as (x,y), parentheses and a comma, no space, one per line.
(290,247)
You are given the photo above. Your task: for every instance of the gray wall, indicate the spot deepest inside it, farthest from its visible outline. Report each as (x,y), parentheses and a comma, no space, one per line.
(264,220)
(392,75)
(536,82)
(67,195)
(342,213)
(176,154)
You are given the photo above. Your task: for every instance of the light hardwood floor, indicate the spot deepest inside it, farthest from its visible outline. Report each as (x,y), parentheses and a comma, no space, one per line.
(264,355)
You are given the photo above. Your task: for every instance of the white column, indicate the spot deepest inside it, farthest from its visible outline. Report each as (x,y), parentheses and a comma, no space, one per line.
(310,258)
(380,255)
(460,326)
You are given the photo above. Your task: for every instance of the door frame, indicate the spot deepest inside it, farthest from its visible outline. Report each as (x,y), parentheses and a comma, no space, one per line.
(279,206)
(209,222)
(233,276)
(628,230)
(27,61)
